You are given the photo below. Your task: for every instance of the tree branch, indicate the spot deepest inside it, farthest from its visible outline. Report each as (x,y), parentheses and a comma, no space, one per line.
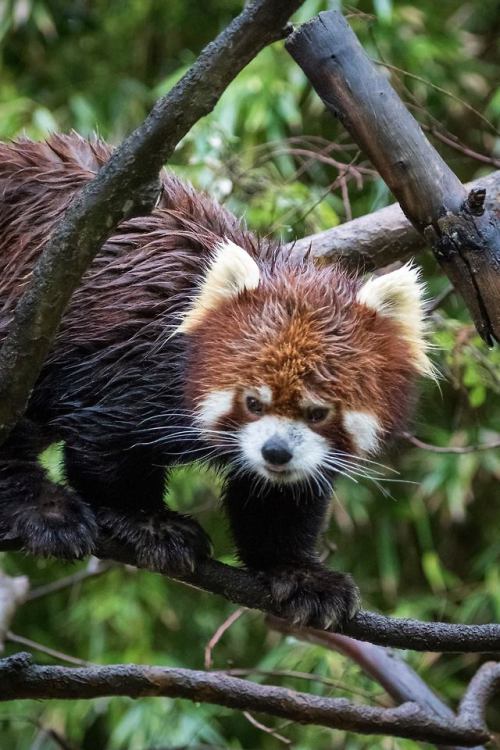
(126,186)
(482,687)
(19,678)
(463,233)
(243,588)
(457,449)
(397,678)
(380,238)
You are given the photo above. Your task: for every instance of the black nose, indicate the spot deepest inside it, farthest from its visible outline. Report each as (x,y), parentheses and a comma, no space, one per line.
(276,451)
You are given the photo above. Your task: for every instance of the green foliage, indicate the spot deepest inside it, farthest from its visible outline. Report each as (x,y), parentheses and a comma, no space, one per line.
(424,544)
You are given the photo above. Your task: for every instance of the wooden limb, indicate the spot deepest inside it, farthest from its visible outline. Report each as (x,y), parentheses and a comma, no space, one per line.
(483,686)
(19,678)
(397,678)
(126,186)
(380,238)
(464,234)
(242,588)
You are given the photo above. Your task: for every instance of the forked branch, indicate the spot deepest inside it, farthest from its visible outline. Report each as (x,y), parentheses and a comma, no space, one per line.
(19,678)
(463,232)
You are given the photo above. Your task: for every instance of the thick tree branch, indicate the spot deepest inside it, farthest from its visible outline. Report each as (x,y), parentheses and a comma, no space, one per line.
(396,676)
(464,234)
(126,186)
(244,589)
(380,238)
(20,679)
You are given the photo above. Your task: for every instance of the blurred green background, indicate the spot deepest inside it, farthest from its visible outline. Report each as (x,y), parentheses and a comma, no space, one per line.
(426,544)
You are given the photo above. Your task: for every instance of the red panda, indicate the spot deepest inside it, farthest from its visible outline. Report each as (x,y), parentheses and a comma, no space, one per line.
(191,339)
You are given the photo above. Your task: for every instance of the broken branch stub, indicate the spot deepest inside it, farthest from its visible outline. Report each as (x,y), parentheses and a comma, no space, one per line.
(464,234)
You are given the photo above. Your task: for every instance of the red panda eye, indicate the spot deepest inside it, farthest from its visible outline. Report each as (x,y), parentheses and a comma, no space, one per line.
(253,405)
(315,414)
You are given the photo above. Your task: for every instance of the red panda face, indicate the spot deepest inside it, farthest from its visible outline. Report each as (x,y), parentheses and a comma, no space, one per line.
(297,372)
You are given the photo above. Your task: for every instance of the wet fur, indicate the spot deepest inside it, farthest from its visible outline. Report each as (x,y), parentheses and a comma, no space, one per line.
(118,388)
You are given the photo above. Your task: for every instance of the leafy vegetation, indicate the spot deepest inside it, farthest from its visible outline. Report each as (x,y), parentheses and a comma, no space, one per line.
(423,543)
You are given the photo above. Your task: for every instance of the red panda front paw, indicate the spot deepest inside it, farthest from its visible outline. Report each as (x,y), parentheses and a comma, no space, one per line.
(162,540)
(54,523)
(314,596)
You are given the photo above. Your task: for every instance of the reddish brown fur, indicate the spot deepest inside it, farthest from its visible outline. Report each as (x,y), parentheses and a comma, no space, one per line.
(303,334)
(140,269)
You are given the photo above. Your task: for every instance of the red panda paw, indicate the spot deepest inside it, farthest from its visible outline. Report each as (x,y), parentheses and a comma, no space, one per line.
(161,540)
(314,596)
(54,523)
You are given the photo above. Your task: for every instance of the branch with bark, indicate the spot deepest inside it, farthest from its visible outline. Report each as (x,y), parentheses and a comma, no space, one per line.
(420,715)
(126,186)
(19,678)
(242,588)
(380,238)
(463,232)
(396,676)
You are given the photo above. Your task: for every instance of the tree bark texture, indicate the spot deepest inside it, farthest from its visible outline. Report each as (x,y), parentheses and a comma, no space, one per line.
(464,234)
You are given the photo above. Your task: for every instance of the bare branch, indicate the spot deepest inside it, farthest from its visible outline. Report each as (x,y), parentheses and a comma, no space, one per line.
(246,590)
(93,569)
(41,648)
(458,449)
(400,681)
(214,640)
(463,233)
(126,186)
(482,687)
(380,238)
(20,679)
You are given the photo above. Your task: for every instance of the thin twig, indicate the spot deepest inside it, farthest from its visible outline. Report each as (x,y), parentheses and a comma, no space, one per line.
(94,569)
(214,640)
(54,653)
(458,449)
(267,730)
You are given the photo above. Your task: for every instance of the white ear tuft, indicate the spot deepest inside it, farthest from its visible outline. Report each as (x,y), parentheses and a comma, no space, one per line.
(231,272)
(399,295)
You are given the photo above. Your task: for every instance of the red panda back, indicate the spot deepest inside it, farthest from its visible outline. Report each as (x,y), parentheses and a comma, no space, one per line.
(37,183)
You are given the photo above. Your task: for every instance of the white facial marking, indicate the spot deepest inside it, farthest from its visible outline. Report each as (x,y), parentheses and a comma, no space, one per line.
(308,449)
(265,394)
(214,406)
(364,428)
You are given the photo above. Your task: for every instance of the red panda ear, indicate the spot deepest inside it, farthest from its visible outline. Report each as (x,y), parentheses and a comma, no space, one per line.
(399,295)
(231,272)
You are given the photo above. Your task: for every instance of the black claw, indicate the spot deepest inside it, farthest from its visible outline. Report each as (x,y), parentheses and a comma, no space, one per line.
(314,596)
(164,541)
